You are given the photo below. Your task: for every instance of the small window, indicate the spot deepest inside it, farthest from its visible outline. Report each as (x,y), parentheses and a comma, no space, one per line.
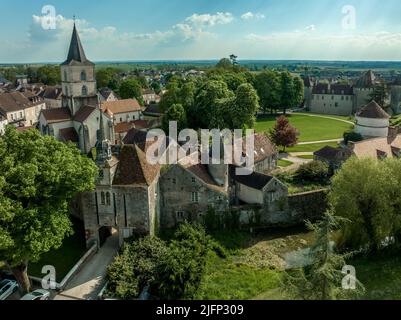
(193,180)
(180,215)
(83,76)
(103,201)
(84,90)
(108,199)
(65,75)
(174,181)
(195,197)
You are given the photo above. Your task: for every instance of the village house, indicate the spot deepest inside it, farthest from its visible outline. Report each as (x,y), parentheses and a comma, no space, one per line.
(149,96)
(3,124)
(53,96)
(21,109)
(106,95)
(126,110)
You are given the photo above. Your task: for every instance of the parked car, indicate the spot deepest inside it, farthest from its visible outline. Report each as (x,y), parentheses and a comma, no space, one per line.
(37,295)
(7,288)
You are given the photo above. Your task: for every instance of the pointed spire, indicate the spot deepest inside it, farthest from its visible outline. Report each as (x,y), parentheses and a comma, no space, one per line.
(76,52)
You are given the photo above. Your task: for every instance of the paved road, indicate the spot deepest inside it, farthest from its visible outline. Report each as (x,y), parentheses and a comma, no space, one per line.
(88,282)
(320,141)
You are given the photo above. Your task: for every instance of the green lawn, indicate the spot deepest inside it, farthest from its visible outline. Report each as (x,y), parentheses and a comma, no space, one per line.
(381,276)
(311,128)
(311,147)
(284,163)
(64,258)
(306,157)
(226,280)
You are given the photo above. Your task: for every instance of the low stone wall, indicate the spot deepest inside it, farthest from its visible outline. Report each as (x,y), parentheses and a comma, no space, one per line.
(299,208)
(309,205)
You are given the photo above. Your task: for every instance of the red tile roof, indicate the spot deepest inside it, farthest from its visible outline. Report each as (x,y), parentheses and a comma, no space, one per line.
(134,169)
(57,115)
(121,106)
(84,113)
(373,111)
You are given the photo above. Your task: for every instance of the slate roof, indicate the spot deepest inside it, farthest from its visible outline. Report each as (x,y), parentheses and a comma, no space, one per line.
(153,109)
(373,111)
(367,80)
(76,53)
(255,180)
(336,89)
(134,169)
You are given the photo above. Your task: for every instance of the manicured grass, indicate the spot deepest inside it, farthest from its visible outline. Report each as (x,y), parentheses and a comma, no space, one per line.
(64,258)
(306,157)
(284,163)
(311,147)
(311,128)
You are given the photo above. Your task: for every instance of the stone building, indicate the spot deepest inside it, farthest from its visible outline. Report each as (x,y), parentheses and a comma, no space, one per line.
(372,121)
(336,98)
(79,117)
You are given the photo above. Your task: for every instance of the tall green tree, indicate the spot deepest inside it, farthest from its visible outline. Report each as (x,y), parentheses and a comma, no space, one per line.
(367,192)
(321,278)
(49,75)
(268,86)
(107,77)
(175,113)
(131,89)
(39,176)
(245,107)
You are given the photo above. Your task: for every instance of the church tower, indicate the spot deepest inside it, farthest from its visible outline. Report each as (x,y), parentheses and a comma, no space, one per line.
(78,77)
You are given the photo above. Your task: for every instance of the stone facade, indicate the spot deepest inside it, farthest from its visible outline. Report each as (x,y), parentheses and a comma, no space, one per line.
(185,196)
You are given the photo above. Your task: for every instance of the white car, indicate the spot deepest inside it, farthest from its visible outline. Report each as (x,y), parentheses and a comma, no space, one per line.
(37,295)
(7,288)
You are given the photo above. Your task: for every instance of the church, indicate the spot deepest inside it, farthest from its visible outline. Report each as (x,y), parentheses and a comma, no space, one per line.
(80,117)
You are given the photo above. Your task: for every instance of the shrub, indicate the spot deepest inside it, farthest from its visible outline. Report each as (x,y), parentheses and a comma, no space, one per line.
(315,171)
(352,136)
(135,268)
(180,271)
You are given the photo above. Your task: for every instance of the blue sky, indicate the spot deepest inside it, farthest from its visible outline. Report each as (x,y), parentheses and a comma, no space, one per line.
(204,29)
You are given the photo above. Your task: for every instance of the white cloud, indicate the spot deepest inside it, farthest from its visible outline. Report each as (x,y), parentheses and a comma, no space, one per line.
(211,20)
(250,15)
(311,27)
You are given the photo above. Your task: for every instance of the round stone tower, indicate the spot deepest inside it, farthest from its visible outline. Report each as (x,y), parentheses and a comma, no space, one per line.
(372,121)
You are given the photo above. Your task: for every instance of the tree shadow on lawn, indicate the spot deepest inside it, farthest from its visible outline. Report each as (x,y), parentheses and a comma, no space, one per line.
(64,258)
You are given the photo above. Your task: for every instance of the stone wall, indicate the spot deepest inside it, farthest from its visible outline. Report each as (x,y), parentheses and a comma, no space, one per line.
(286,212)
(176,188)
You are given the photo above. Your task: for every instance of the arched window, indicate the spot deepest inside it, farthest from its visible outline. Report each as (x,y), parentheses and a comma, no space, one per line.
(108,199)
(102,198)
(65,75)
(84,90)
(66,91)
(83,76)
